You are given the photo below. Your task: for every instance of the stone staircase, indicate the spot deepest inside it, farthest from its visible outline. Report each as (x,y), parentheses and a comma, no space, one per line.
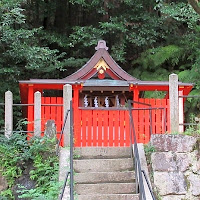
(104,173)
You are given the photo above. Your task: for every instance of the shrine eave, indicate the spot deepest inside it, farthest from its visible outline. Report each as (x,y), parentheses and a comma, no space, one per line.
(100,83)
(49,81)
(157,83)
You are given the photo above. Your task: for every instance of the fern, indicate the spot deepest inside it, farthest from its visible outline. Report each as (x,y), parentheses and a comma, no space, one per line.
(156,57)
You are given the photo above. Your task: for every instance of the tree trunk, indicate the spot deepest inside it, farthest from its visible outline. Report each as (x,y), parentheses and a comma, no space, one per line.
(61,16)
(194,4)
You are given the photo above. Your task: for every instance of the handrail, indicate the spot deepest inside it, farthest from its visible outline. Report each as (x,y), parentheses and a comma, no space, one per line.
(63,189)
(71,152)
(62,131)
(138,173)
(148,184)
(71,155)
(138,170)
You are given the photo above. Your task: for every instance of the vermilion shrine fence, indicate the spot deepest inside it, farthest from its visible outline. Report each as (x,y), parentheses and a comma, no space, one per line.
(111,127)
(107,126)
(51,109)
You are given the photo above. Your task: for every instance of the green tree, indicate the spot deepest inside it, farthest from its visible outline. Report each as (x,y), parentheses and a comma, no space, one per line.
(150,39)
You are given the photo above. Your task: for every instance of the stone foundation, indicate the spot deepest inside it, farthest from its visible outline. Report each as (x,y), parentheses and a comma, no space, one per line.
(176,166)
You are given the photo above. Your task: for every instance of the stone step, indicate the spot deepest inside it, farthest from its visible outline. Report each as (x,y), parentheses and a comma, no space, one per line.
(105,177)
(103,165)
(105,188)
(101,152)
(109,197)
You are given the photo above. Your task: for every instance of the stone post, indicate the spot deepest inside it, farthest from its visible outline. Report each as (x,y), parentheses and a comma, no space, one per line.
(8,113)
(67,97)
(174,105)
(64,154)
(64,167)
(37,114)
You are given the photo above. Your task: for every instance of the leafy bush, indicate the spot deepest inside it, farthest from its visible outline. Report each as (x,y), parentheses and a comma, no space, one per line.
(17,152)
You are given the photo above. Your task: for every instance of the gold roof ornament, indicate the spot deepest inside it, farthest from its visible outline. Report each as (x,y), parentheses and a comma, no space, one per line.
(101,64)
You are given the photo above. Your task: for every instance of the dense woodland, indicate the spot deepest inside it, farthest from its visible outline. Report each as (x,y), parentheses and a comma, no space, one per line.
(52,38)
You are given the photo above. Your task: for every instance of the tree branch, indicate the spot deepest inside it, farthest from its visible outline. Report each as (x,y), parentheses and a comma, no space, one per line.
(194,4)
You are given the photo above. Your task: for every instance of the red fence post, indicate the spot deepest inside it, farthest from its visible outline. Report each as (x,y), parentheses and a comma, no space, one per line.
(30,111)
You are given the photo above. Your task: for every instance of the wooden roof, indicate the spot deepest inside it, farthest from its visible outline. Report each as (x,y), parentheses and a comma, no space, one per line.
(115,76)
(90,68)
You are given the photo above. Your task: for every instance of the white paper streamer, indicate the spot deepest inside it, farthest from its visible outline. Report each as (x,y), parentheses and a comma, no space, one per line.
(96,102)
(117,101)
(106,102)
(85,101)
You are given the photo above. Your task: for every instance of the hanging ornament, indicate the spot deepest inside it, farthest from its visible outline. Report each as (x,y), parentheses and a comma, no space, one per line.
(85,101)
(106,102)
(117,101)
(96,102)
(101,74)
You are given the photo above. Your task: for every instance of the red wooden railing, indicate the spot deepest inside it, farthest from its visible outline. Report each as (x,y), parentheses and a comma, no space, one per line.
(51,109)
(108,126)
(102,128)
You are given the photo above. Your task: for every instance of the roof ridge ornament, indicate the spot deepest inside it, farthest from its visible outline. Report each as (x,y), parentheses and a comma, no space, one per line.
(101,45)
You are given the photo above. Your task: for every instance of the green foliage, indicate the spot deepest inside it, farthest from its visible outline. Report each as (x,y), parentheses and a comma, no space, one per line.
(44,39)
(16,152)
(12,152)
(193,130)
(154,58)
(181,12)
(149,149)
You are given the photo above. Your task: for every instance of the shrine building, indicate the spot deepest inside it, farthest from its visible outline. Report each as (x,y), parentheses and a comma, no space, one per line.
(101,89)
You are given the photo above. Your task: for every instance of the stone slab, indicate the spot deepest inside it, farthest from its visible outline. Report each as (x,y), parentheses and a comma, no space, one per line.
(175,143)
(163,161)
(174,197)
(63,169)
(104,177)
(109,197)
(103,165)
(194,180)
(169,183)
(102,152)
(105,188)
(169,161)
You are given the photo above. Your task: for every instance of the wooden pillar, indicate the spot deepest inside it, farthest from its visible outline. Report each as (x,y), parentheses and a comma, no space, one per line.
(181,112)
(77,117)
(67,97)
(37,114)
(8,113)
(136,112)
(30,110)
(173,98)
(135,94)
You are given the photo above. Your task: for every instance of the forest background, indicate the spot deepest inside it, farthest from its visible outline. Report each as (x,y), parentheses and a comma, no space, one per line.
(53,38)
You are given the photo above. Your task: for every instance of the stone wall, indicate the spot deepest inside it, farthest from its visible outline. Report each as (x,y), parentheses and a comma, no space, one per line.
(176,166)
